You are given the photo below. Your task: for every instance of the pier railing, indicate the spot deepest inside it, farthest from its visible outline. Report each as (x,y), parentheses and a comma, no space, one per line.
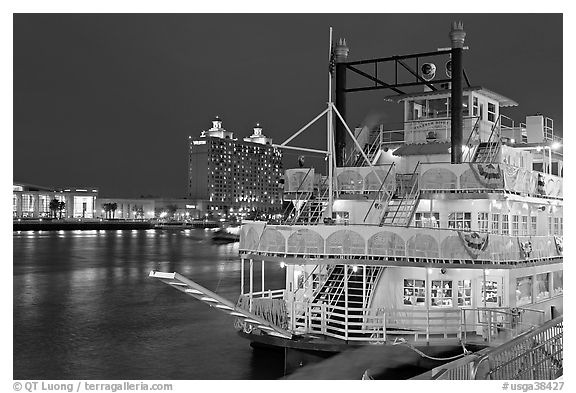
(497,324)
(535,354)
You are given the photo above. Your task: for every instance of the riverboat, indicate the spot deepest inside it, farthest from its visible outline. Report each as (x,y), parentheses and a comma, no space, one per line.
(439,234)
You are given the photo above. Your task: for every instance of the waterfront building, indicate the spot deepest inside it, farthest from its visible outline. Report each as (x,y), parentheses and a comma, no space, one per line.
(126,208)
(234,176)
(33,201)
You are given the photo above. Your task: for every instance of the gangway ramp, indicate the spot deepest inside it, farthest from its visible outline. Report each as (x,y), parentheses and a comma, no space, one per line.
(197,291)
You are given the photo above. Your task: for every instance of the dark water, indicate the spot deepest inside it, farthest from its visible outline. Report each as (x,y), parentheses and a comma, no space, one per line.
(84,308)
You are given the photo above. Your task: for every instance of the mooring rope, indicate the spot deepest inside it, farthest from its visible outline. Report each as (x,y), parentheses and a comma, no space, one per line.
(400,341)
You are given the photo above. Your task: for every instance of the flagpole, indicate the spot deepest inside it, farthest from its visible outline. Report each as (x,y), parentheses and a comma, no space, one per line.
(330,133)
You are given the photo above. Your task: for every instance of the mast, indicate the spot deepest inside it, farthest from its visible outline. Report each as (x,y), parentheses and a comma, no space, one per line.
(329,135)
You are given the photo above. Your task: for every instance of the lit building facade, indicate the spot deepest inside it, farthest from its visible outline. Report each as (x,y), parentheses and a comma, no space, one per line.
(126,208)
(234,176)
(32,201)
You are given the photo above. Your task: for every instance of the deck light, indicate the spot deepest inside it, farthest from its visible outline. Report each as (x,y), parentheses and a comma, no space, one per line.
(354,268)
(282,265)
(555,145)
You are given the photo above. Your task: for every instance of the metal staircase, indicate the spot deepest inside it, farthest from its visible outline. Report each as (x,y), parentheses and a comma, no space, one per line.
(383,195)
(315,206)
(488,151)
(400,210)
(371,151)
(333,293)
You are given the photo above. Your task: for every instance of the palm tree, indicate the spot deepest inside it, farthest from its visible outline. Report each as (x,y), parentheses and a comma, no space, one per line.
(106,207)
(113,207)
(61,206)
(171,210)
(54,207)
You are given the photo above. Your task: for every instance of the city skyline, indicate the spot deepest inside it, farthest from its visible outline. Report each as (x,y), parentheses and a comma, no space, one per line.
(110,100)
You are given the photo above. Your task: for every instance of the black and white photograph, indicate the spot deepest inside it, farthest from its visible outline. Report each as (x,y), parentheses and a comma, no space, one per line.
(260,195)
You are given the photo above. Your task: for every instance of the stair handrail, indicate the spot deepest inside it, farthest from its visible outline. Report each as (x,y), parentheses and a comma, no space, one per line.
(371,149)
(373,281)
(351,159)
(410,194)
(468,144)
(322,199)
(379,192)
(298,197)
(489,156)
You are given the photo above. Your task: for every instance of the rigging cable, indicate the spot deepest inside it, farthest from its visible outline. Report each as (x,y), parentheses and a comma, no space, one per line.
(401,341)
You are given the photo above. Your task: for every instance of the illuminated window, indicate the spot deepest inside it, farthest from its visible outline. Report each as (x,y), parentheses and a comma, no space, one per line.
(483,221)
(523,290)
(495,223)
(542,286)
(441,293)
(557,282)
(556,225)
(427,220)
(491,290)
(465,293)
(505,224)
(414,292)
(534,225)
(515,223)
(524,225)
(459,220)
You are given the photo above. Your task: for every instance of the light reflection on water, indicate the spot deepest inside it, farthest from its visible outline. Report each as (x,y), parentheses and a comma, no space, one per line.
(84,308)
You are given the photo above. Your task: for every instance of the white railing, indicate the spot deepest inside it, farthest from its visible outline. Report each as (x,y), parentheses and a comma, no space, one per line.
(351,324)
(498,323)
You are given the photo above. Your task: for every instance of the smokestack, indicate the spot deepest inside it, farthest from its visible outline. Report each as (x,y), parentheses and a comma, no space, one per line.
(340,56)
(457,36)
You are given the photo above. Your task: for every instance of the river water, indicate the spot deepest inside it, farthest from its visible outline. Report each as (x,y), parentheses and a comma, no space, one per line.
(84,308)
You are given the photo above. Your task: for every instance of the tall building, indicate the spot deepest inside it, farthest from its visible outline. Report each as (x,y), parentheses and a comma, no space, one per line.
(234,176)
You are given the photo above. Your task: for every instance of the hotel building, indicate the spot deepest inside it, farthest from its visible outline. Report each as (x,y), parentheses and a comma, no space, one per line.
(234,176)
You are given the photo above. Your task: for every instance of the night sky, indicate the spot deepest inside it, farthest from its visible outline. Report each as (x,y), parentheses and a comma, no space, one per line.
(110,100)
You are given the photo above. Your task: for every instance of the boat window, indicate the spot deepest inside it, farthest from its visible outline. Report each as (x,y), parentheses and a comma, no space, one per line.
(465,293)
(542,286)
(523,290)
(491,112)
(524,225)
(534,225)
(556,225)
(414,292)
(341,217)
(441,293)
(495,223)
(490,287)
(460,220)
(474,106)
(557,282)
(515,223)
(483,221)
(505,225)
(428,219)
(439,108)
